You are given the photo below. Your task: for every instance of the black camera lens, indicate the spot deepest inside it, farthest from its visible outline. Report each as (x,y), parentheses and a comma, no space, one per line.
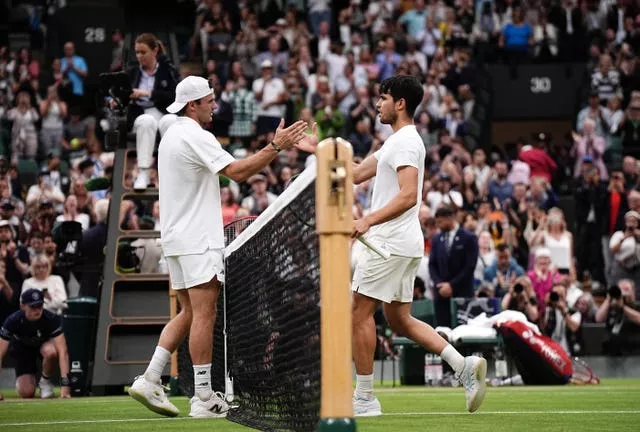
(554,297)
(518,288)
(614,292)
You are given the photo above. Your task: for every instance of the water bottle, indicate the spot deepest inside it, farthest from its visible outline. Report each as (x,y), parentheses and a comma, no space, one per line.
(428,369)
(500,363)
(437,370)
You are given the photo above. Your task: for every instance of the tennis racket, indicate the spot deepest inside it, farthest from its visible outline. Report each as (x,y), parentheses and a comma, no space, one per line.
(235,227)
(582,373)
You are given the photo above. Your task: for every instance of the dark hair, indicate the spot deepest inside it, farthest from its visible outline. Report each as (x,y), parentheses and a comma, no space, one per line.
(150,40)
(502,248)
(37,234)
(445,211)
(405,87)
(183,111)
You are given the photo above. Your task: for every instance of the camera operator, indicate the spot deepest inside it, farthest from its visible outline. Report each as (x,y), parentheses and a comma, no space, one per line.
(624,247)
(522,298)
(616,310)
(154,83)
(559,322)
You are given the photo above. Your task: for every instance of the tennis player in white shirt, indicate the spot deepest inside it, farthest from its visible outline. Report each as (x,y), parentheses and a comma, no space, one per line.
(189,161)
(393,224)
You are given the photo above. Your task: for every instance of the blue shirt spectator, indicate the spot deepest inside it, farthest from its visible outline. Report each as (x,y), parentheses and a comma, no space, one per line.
(75,68)
(414,19)
(503,272)
(516,36)
(499,186)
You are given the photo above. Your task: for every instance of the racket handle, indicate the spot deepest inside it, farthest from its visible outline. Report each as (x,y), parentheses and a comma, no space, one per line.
(385,254)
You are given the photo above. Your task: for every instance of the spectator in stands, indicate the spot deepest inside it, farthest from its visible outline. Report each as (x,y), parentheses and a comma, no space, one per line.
(71,213)
(499,187)
(595,112)
(443,194)
(558,240)
(606,79)
(503,273)
(32,333)
(92,249)
(229,205)
(515,38)
(36,244)
(630,128)
(24,137)
(453,258)
(615,206)
(616,311)
(54,112)
(589,148)
(75,136)
(545,39)
(271,95)
(15,257)
(486,256)
(75,70)
(260,197)
(624,247)
(43,191)
(559,321)
(243,104)
(542,276)
(52,287)
(522,298)
(539,161)
(154,81)
(589,198)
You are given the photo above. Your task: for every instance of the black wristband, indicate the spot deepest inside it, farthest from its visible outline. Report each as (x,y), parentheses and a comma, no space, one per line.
(275,146)
(64,381)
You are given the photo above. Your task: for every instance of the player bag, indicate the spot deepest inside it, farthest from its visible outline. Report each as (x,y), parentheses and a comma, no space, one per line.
(539,359)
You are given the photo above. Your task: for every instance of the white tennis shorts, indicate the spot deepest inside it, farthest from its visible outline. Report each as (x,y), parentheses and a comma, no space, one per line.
(389,280)
(188,271)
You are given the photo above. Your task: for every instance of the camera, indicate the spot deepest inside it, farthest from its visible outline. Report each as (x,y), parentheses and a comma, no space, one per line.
(615,292)
(554,297)
(518,288)
(116,86)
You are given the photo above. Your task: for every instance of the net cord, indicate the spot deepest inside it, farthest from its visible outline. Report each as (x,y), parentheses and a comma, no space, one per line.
(287,196)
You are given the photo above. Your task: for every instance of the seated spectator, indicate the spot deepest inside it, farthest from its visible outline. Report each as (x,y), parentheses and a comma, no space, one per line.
(43,217)
(52,286)
(443,194)
(361,139)
(330,119)
(486,255)
(71,213)
(229,205)
(522,298)
(24,137)
(36,244)
(32,333)
(260,197)
(503,272)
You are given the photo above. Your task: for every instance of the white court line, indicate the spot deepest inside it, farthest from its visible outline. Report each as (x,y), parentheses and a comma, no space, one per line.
(455,413)
(436,413)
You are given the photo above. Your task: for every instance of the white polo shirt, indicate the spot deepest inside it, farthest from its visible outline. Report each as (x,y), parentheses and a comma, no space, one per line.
(189,159)
(402,235)
(271,91)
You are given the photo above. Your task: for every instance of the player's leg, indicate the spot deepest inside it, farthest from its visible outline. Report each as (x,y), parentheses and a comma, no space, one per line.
(364,347)
(146,128)
(26,369)
(147,388)
(471,371)
(49,364)
(26,386)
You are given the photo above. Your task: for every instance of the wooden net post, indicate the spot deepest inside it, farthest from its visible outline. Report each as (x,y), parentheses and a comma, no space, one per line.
(334,222)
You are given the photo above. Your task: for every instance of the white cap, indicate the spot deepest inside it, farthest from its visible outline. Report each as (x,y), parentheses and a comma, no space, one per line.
(542,252)
(189,89)
(266,64)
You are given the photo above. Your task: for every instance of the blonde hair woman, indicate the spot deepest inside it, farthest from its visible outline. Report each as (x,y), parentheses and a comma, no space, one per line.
(52,286)
(557,239)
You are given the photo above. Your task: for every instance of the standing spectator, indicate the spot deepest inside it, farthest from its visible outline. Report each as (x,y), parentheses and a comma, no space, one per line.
(630,129)
(596,112)
(117,52)
(75,69)
(589,147)
(414,18)
(503,273)
(51,286)
(538,159)
(24,138)
(568,20)
(499,186)
(624,247)
(54,112)
(614,207)
(542,276)
(15,257)
(388,60)
(443,194)
(545,39)
(43,191)
(429,38)
(361,139)
(486,256)
(243,104)
(557,240)
(71,213)
(516,38)
(319,12)
(271,96)
(74,140)
(606,79)
(453,258)
(330,119)
(229,205)
(92,249)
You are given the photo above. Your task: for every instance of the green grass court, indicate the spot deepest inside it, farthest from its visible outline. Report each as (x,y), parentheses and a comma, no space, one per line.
(614,405)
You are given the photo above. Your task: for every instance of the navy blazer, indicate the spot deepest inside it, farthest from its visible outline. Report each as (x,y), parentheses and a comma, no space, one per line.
(456,266)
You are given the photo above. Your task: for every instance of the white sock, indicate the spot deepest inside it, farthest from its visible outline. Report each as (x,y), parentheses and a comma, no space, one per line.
(453,357)
(159,360)
(364,386)
(202,381)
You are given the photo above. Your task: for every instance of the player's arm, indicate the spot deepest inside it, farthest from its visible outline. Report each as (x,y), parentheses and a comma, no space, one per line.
(284,139)
(60,343)
(365,170)
(4,347)
(406,198)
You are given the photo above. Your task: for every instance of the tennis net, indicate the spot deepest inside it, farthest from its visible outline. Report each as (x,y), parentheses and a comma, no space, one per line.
(271,301)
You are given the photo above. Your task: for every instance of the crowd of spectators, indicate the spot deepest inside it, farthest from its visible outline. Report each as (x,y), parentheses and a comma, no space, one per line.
(322,61)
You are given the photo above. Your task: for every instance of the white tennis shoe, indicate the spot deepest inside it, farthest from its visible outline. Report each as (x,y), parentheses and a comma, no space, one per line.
(142,180)
(473,378)
(214,407)
(151,394)
(46,389)
(366,407)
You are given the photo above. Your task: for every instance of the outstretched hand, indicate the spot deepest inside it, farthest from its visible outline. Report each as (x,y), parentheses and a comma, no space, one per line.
(310,141)
(286,138)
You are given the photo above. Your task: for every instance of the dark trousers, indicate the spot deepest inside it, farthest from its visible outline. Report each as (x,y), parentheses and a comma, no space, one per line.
(589,251)
(442,308)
